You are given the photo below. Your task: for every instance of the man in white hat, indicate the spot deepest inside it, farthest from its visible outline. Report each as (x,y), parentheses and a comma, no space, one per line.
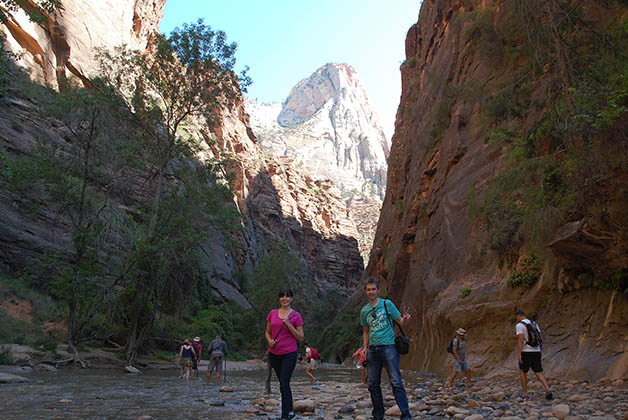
(197,355)
(458,351)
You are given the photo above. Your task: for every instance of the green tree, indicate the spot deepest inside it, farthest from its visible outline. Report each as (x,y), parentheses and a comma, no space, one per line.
(187,74)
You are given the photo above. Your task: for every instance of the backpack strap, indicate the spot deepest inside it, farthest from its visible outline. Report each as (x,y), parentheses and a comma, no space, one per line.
(392,320)
(292,314)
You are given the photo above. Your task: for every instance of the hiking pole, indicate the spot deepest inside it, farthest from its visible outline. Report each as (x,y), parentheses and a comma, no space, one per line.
(225,369)
(268,376)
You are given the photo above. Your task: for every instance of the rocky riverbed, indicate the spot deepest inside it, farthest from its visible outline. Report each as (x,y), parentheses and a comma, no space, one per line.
(160,394)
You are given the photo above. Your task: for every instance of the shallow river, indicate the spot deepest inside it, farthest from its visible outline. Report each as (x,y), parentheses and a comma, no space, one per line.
(112,394)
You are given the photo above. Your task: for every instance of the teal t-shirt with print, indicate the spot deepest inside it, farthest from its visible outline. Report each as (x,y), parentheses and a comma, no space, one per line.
(381,330)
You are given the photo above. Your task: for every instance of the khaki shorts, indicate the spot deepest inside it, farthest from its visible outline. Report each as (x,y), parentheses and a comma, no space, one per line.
(311,364)
(215,364)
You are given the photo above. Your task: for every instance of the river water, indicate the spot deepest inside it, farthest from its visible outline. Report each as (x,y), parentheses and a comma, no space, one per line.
(112,394)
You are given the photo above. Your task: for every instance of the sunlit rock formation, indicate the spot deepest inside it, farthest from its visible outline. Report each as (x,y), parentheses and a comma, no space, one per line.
(64,45)
(327,125)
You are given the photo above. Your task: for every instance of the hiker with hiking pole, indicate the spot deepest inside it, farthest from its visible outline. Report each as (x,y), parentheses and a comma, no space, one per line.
(284,327)
(217,351)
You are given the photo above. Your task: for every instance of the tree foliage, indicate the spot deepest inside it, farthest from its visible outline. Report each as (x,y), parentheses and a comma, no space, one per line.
(36,10)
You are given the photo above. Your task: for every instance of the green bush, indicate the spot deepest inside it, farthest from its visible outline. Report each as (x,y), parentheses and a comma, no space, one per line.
(465,292)
(528,275)
(4,357)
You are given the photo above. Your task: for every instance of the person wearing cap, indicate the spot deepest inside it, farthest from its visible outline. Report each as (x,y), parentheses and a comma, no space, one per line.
(459,353)
(197,355)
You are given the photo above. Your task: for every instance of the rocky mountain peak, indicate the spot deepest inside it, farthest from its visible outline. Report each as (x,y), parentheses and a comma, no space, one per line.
(311,94)
(327,125)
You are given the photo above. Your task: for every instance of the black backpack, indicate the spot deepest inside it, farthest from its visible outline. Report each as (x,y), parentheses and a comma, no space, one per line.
(534,335)
(450,347)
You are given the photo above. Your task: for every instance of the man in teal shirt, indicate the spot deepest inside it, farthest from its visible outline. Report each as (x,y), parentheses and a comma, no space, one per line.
(378,335)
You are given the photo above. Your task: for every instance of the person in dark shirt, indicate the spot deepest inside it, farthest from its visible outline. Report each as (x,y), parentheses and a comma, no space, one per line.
(217,350)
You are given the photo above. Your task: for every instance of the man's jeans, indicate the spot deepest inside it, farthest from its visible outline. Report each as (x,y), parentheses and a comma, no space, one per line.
(387,357)
(283,365)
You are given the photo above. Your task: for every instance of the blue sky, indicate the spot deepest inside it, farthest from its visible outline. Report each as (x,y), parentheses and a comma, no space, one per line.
(285,41)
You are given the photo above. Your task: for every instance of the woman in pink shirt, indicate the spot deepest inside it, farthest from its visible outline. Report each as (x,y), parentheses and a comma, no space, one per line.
(284,326)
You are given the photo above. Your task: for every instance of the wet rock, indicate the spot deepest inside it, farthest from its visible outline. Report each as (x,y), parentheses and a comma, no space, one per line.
(271,402)
(560,411)
(474,417)
(498,396)
(301,406)
(7,378)
(16,369)
(439,401)
(347,409)
(131,369)
(393,411)
(45,367)
(225,389)
(217,403)
(452,411)
(145,417)
(65,401)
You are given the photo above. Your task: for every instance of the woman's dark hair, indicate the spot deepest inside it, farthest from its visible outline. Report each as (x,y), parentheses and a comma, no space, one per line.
(286,293)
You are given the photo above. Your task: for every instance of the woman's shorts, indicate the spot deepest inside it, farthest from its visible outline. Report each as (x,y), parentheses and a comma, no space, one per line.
(311,364)
(459,367)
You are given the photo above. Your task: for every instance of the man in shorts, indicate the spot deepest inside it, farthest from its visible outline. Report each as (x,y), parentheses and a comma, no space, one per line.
(459,350)
(310,362)
(529,356)
(217,350)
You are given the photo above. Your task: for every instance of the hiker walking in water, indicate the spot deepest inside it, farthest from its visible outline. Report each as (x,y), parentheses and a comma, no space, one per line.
(529,352)
(284,327)
(186,354)
(458,351)
(197,355)
(217,350)
(376,318)
(311,357)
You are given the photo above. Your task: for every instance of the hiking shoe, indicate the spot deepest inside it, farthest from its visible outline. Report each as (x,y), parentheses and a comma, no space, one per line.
(549,395)
(291,415)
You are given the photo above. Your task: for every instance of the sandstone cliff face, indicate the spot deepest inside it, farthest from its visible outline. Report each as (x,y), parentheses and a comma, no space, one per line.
(276,201)
(427,249)
(327,125)
(63,46)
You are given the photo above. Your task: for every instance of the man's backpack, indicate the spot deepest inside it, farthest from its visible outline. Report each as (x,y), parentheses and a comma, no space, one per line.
(450,347)
(313,353)
(534,335)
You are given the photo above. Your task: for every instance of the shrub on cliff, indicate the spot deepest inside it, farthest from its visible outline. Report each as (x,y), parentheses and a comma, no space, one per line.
(566,150)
